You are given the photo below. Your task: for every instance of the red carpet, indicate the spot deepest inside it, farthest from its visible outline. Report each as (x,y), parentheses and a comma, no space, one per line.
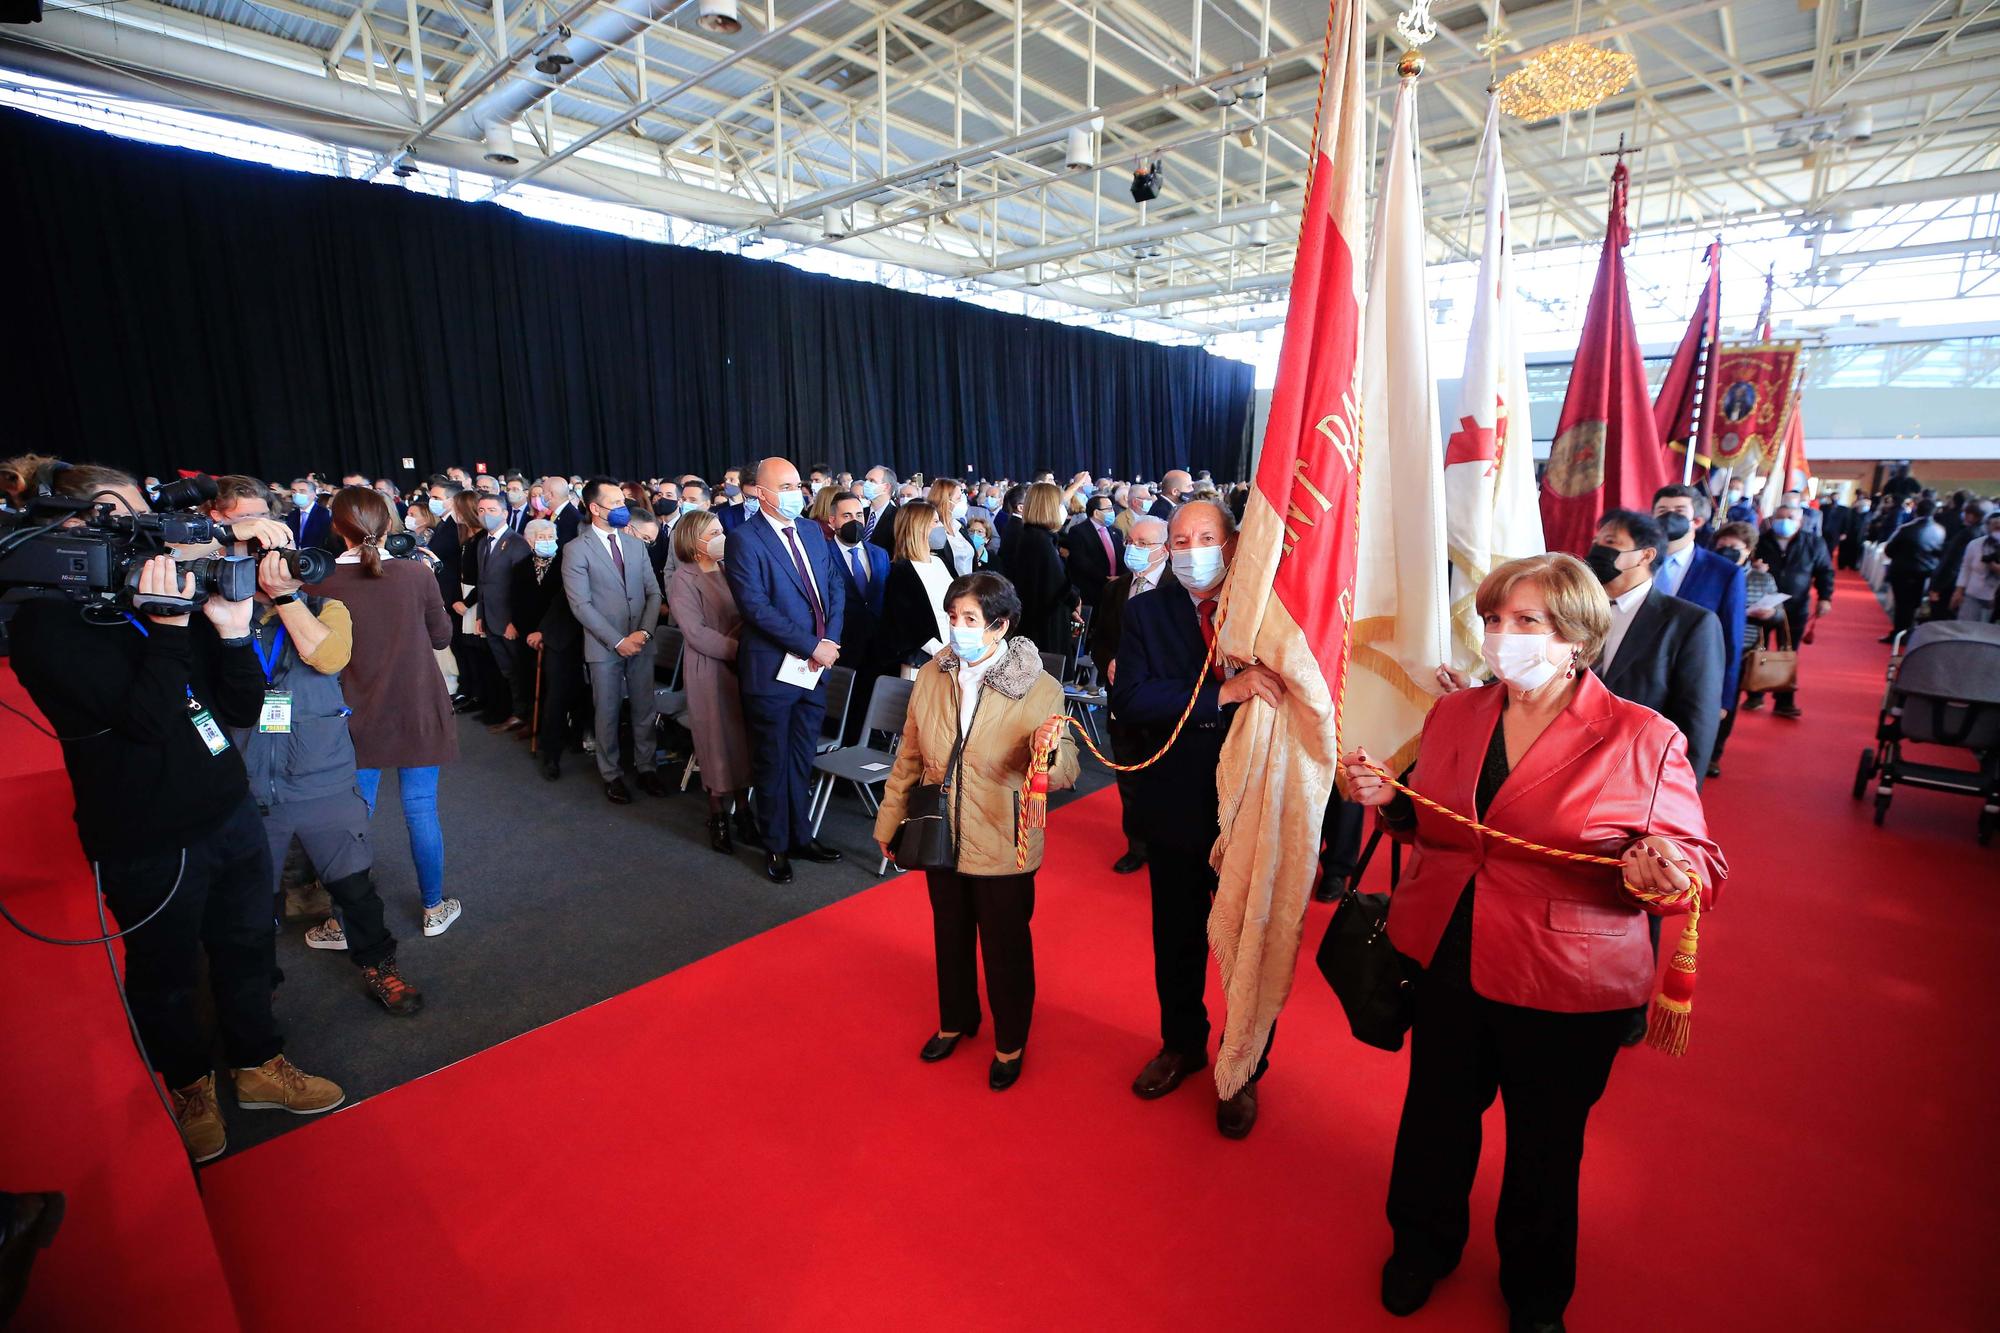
(751,1142)
(75,1112)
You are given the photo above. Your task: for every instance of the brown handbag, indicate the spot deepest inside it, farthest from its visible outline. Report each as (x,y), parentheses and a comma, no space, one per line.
(1772,669)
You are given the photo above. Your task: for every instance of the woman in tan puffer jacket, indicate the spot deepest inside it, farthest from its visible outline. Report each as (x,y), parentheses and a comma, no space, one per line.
(992,691)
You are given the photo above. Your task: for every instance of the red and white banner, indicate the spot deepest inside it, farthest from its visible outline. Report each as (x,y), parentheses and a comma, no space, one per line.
(1290,595)
(1491,514)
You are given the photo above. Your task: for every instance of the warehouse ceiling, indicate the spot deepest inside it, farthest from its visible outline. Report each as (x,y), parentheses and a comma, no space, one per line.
(994,143)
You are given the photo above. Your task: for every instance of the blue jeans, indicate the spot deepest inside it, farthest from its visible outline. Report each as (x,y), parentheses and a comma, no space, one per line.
(420,816)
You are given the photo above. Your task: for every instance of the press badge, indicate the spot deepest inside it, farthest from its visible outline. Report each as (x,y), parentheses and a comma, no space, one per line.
(205,727)
(277,714)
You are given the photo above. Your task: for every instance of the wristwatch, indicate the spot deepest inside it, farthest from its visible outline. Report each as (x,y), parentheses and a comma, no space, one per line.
(285,599)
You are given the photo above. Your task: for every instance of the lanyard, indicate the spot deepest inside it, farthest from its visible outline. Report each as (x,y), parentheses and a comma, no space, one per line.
(270,660)
(140,625)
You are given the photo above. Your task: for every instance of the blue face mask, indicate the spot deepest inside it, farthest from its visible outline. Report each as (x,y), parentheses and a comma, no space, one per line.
(619,517)
(791,504)
(1785,527)
(969,644)
(546,548)
(978,541)
(690,506)
(1139,559)
(870,489)
(1199,568)
(302,498)
(437,506)
(751,508)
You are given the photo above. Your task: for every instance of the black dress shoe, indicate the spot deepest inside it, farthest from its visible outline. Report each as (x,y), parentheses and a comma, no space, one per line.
(551,768)
(1329,888)
(718,834)
(1520,1323)
(649,782)
(817,852)
(1405,1288)
(1714,770)
(940,1046)
(1164,1072)
(461,704)
(1788,710)
(1237,1116)
(778,868)
(746,831)
(1128,863)
(1004,1074)
(617,792)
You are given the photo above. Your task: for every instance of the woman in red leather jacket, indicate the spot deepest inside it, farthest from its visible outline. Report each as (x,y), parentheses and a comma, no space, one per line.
(1532,967)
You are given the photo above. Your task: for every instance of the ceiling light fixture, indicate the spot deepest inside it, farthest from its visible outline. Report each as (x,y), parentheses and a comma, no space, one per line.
(719,16)
(557,57)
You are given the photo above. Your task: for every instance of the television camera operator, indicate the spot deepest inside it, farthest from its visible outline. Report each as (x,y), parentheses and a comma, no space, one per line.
(299,756)
(141,703)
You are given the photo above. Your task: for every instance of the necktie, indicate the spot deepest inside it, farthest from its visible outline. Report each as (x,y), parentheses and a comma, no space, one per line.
(812,593)
(873,514)
(1110,560)
(1207,609)
(618,557)
(859,566)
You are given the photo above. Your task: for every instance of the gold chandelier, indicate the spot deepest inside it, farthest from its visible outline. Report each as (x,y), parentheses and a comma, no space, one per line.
(1569,76)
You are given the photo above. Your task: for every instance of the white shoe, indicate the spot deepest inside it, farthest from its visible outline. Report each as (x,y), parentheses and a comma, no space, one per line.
(590,745)
(437,920)
(326,935)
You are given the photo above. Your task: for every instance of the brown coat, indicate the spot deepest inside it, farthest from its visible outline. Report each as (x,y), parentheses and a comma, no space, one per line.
(1017,696)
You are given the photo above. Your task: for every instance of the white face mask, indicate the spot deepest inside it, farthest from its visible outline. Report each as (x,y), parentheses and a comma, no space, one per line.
(1198,568)
(1519,660)
(715,546)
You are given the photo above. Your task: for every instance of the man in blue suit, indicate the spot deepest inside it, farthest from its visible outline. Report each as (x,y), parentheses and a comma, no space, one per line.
(791,594)
(744,506)
(1696,575)
(1163,650)
(864,568)
(310,521)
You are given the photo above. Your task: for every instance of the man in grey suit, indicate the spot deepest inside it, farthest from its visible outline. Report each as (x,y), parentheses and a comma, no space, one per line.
(610,587)
(494,554)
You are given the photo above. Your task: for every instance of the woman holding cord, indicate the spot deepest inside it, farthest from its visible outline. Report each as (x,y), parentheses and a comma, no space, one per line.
(402,717)
(1531,967)
(976,713)
(705,610)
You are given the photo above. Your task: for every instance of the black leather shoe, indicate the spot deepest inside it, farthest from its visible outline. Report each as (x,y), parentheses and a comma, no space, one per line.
(817,852)
(1788,710)
(1329,888)
(718,834)
(939,1046)
(28,1225)
(650,784)
(1237,1116)
(778,868)
(1164,1072)
(1128,864)
(746,831)
(461,704)
(1714,770)
(1520,1323)
(551,767)
(1405,1288)
(1004,1074)
(617,792)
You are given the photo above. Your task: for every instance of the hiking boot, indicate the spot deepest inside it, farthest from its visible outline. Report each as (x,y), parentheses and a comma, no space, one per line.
(393,993)
(280,1085)
(200,1119)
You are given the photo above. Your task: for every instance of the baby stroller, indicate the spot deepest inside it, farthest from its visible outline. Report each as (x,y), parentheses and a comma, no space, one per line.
(1944,689)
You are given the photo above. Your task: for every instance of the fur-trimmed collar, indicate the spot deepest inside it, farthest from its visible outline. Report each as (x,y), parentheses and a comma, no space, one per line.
(1012,675)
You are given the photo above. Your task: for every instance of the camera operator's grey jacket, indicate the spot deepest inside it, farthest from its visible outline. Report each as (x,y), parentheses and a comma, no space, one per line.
(316,757)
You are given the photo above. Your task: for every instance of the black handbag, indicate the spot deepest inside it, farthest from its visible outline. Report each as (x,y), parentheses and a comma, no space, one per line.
(1371,977)
(927,839)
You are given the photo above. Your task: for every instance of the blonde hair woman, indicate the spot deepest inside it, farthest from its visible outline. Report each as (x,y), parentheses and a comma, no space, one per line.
(947,497)
(914,626)
(1039,573)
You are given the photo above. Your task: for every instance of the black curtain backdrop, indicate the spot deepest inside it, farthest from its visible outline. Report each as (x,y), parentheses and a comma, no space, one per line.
(175,309)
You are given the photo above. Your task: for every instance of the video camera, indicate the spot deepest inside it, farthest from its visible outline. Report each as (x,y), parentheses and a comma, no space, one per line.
(100,555)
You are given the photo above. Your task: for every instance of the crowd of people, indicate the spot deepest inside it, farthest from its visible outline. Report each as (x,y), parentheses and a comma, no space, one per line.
(678,626)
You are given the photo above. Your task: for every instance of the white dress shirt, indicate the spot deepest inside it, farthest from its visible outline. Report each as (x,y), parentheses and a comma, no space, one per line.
(1623,608)
(1148,581)
(786,536)
(1674,569)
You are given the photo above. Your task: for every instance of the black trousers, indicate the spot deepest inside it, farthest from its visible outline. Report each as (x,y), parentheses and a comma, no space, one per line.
(1549,1070)
(223,906)
(988,914)
(562,693)
(1128,746)
(1340,839)
(514,666)
(1183,890)
(1907,591)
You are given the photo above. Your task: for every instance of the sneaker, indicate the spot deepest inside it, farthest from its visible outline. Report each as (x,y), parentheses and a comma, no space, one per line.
(437,920)
(393,993)
(327,935)
(280,1085)
(200,1119)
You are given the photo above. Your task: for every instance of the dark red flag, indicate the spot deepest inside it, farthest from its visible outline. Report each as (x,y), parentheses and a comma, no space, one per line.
(1692,369)
(1607,452)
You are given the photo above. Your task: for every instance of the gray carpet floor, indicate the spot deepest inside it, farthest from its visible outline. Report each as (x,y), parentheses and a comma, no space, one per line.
(568,900)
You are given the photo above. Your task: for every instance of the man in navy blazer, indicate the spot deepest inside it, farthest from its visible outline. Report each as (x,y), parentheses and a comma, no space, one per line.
(1695,574)
(310,521)
(864,568)
(791,594)
(1163,650)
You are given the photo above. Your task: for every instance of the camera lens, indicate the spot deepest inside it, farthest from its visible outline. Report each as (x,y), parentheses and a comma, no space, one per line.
(399,544)
(185,492)
(310,565)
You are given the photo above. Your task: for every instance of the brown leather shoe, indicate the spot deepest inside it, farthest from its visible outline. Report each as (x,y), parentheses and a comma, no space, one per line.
(1164,1072)
(1237,1116)
(200,1119)
(508,724)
